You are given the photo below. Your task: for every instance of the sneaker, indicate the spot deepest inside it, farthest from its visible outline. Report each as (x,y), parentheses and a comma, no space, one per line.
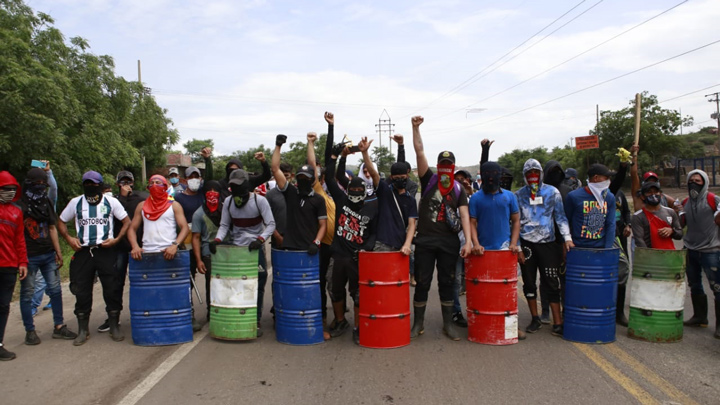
(356,336)
(6,355)
(545,317)
(63,333)
(31,338)
(47,307)
(534,326)
(557,330)
(259,331)
(105,326)
(521,335)
(34,312)
(459,320)
(339,328)
(196,326)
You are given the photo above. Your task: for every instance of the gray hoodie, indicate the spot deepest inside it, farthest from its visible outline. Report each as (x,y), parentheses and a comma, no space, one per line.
(702,233)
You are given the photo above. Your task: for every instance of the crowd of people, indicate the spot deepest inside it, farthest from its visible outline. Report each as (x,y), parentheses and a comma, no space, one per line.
(336,214)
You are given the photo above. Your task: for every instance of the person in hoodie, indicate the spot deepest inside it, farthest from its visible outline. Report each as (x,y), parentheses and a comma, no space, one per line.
(571,179)
(702,241)
(13,251)
(355,231)
(541,210)
(44,255)
(254,181)
(411,187)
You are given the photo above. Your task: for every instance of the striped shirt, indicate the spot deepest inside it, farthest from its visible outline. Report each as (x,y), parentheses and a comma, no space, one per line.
(93,223)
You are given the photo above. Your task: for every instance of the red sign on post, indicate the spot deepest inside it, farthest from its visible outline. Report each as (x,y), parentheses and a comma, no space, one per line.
(587,142)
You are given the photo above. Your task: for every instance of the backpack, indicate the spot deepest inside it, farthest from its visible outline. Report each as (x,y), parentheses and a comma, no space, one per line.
(433,182)
(452,218)
(710,201)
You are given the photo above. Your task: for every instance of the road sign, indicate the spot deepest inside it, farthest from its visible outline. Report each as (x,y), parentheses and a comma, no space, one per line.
(587,142)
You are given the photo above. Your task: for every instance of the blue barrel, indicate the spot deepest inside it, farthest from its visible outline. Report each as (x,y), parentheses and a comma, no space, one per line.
(296,297)
(590,295)
(160,307)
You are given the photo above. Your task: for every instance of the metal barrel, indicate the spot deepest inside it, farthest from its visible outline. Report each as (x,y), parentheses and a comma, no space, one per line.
(385,300)
(234,293)
(160,307)
(492,308)
(296,297)
(590,295)
(657,295)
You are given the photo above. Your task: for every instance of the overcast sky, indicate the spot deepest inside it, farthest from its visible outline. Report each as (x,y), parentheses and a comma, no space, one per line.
(241,72)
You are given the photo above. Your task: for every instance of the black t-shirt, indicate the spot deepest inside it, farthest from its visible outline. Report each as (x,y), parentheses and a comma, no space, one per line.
(393,229)
(303,214)
(278,207)
(189,204)
(37,234)
(432,213)
(130,203)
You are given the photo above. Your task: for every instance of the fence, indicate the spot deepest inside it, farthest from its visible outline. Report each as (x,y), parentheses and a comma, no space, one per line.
(708,164)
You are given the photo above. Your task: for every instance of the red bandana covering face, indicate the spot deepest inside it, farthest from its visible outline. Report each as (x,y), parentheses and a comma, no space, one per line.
(533,181)
(159,200)
(212,200)
(446,177)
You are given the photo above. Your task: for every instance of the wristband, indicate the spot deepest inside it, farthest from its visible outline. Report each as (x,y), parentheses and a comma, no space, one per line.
(316,242)
(261,239)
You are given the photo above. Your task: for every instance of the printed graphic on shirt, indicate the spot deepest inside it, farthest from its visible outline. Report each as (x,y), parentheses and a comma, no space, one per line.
(593,219)
(37,230)
(352,226)
(437,206)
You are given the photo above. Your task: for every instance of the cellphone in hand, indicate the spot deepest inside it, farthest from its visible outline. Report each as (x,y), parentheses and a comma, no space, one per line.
(37,163)
(354,149)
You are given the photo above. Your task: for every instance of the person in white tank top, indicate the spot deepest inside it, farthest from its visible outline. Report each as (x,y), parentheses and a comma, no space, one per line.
(161,217)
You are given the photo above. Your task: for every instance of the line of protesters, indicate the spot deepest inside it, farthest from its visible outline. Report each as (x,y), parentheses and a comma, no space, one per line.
(322,211)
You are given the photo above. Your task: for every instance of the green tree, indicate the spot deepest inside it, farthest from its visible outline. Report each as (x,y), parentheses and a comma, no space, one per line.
(194,146)
(382,157)
(515,160)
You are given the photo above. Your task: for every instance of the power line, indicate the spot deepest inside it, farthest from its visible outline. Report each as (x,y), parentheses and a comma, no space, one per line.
(583,89)
(687,94)
(459,86)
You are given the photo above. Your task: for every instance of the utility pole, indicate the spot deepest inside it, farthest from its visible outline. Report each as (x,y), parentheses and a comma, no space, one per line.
(144,165)
(717,108)
(385,125)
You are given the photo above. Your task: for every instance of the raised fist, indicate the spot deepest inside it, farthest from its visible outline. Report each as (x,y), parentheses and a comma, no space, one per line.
(417,120)
(280,139)
(259,156)
(398,139)
(311,137)
(329,118)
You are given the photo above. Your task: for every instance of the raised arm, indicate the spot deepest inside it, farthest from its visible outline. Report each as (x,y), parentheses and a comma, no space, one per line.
(485,145)
(340,174)
(422,163)
(364,145)
(206,154)
(265,175)
(330,181)
(311,138)
(635,178)
(619,178)
(279,176)
(400,140)
(330,119)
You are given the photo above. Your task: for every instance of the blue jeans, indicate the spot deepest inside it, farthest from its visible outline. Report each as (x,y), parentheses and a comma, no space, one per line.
(697,262)
(45,265)
(39,290)
(459,279)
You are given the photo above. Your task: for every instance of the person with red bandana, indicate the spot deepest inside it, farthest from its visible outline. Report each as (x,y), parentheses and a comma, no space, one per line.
(437,240)
(655,226)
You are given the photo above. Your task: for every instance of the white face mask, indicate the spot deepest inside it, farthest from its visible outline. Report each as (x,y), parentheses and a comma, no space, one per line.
(598,189)
(108,194)
(194,184)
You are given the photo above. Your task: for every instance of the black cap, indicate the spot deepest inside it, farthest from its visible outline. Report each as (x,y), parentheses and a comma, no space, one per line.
(238,176)
(305,170)
(398,168)
(464,173)
(446,155)
(598,169)
(124,174)
(650,184)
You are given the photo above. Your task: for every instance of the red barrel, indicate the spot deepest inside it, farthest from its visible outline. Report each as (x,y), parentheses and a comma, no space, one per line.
(491,284)
(384,300)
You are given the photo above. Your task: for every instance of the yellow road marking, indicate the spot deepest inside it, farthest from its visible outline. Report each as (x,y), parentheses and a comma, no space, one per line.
(664,386)
(628,384)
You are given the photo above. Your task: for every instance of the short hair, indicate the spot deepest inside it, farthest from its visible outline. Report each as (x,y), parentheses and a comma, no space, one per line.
(286,167)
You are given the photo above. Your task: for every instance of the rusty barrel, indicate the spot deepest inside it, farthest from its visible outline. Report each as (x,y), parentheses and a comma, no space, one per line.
(591,277)
(492,309)
(657,295)
(384,300)
(234,293)
(160,307)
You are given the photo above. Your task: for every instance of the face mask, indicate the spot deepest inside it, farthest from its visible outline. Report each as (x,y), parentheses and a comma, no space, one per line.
(212,200)
(304,185)
(7,195)
(533,181)
(478,177)
(652,200)
(157,192)
(174,180)
(554,177)
(399,183)
(598,189)
(108,194)
(694,189)
(194,184)
(491,177)
(506,182)
(92,193)
(36,192)
(356,197)
(446,177)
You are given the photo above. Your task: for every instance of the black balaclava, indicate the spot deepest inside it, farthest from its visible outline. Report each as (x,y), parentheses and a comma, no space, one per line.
(304,185)
(356,198)
(93,192)
(240,193)
(35,195)
(228,170)
(399,168)
(490,172)
(506,179)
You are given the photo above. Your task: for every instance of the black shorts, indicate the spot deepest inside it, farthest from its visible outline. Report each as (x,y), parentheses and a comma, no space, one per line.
(546,257)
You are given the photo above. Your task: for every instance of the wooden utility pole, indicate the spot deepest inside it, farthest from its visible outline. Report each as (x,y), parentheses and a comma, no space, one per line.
(717,108)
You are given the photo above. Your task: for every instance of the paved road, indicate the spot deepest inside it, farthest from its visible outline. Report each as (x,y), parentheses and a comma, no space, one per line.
(432,370)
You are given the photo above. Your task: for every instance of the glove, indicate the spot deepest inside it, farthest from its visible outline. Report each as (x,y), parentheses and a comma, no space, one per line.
(213,246)
(280,139)
(337,149)
(256,244)
(624,155)
(312,249)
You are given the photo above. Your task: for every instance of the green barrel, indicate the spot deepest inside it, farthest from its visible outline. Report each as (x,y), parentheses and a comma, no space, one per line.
(233,293)
(657,296)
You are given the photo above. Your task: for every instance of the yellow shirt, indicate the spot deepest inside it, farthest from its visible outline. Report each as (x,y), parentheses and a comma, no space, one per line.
(330,206)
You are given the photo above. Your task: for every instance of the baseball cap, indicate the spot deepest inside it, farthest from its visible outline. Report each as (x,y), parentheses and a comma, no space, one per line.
(465,174)
(446,155)
(599,169)
(173,170)
(650,184)
(238,176)
(192,169)
(93,176)
(650,174)
(124,174)
(305,170)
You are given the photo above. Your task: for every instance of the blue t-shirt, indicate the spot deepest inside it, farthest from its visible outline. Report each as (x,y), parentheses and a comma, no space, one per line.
(492,212)
(189,204)
(392,228)
(592,224)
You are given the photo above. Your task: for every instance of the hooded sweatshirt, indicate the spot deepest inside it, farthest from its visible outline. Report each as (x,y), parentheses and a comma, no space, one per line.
(558,182)
(369,187)
(255,181)
(538,216)
(13,252)
(702,233)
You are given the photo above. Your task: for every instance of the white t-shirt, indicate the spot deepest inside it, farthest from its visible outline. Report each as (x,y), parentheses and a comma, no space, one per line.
(93,223)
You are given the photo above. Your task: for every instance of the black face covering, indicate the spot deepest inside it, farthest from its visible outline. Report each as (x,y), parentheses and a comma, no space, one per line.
(240,194)
(554,177)
(356,198)
(93,193)
(652,200)
(400,183)
(304,185)
(694,189)
(490,173)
